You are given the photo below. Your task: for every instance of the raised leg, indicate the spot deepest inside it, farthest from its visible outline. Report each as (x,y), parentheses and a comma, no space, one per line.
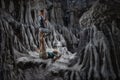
(42,46)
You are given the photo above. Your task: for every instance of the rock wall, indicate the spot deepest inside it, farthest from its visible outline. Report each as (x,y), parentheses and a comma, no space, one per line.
(90,51)
(98,49)
(20,35)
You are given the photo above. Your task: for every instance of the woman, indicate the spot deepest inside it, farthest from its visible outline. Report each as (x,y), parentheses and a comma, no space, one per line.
(46,55)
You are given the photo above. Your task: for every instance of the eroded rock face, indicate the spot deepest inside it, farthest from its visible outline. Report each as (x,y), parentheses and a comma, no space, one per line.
(20,35)
(98,51)
(90,51)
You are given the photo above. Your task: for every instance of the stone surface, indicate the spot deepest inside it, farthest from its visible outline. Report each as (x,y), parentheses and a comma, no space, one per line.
(90,51)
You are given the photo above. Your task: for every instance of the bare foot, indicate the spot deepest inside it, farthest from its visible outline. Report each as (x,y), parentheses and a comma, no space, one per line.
(56,58)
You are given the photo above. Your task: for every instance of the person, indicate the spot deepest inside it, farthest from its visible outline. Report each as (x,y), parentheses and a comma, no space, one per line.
(42,19)
(54,55)
(43,22)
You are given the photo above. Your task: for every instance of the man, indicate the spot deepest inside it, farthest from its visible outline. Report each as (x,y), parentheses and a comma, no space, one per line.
(43,22)
(46,55)
(42,19)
